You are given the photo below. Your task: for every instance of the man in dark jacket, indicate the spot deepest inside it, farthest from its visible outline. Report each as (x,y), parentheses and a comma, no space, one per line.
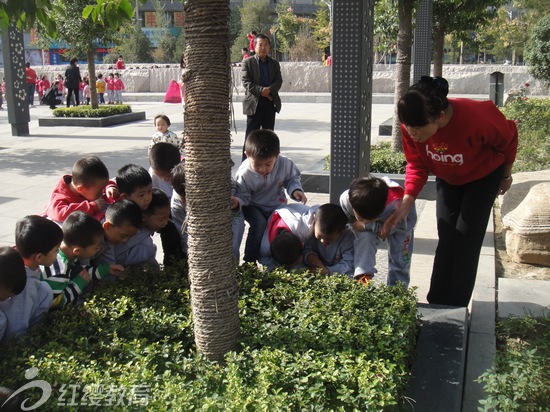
(261,77)
(72,82)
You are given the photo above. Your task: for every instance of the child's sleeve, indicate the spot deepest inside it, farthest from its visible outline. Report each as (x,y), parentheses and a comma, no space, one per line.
(292,179)
(242,191)
(60,209)
(58,277)
(139,249)
(345,266)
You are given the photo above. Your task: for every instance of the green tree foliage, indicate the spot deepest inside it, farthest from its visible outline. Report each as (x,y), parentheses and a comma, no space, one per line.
(136,47)
(180,46)
(166,49)
(255,16)
(458,17)
(386,26)
(321,26)
(538,51)
(288,26)
(305,47)
(24,14)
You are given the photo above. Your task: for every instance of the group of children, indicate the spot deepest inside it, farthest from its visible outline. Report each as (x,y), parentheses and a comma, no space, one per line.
(53,94)
(94,227)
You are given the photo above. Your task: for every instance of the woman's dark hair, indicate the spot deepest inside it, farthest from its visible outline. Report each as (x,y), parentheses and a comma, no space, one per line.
(423,102)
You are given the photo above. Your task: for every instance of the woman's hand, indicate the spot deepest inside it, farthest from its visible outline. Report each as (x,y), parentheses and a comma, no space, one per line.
(397,216)
(505,184)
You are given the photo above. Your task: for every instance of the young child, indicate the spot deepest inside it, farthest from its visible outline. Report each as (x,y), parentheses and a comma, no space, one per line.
(23,300)
(155,218)
(100,86)
(330,250)
(86,92)
(368,203)
(261,181)
(288,228)
(82,190)
(118,87)
(123,220)
(43,85)
(134,183)
(37,239)
(178,210)
(162,123)
(82,239)
(163,157)
(110,88)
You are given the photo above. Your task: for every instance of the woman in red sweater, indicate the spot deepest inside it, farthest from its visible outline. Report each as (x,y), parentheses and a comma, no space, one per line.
(470,147)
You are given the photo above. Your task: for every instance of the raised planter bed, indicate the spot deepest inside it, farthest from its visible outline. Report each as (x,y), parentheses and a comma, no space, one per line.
(92,121)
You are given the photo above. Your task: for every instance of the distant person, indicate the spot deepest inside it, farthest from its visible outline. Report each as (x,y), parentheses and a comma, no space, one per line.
(110,80)
(368,203)
(52,96)
(120,63)
(245,53)
(72,82)
(470,148)
(261,181)
(251,41)
(30,75)
(100,86)
(262,80)
(42,86)
(118,87)
(86,92)
(330,249)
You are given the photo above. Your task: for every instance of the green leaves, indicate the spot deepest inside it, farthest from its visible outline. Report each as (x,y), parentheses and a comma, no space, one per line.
(308,343)
(113,12)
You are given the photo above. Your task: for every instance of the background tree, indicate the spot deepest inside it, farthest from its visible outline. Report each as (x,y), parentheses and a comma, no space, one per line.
(24,14)
(136,46)
(214,292)
(538,51)
(386,27)
(163,37)
(305,47)
(403,64)
(288,26)
(255,16)
(452,16)
(322,27)
(82,34)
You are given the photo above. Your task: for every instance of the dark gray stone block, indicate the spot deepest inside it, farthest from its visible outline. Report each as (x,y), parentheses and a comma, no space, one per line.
(92,121)
(437,375)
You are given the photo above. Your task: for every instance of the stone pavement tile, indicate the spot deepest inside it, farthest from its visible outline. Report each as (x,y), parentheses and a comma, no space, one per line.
(481,353)
(521,297)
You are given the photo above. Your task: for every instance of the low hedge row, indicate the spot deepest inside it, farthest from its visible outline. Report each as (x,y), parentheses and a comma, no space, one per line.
(87,111)
(308,343)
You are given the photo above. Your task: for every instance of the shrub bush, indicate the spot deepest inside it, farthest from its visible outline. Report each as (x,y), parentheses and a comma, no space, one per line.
(382,160)
(532,116)
(518,381)
(87,111)
(308,343)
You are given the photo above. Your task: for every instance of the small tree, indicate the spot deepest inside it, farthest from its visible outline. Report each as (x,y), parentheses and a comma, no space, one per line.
(166,48)
(136,46)
(538,51)
(255,16)
(305,48)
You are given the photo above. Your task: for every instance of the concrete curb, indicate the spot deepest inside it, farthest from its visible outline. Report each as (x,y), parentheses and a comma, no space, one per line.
(437,374)
(91,121)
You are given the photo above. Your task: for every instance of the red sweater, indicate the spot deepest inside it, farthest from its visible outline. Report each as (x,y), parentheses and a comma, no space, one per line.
(475,142)
(64,201)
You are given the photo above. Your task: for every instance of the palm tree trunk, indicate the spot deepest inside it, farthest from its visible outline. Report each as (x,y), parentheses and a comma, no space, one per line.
(403,63)
(214,292)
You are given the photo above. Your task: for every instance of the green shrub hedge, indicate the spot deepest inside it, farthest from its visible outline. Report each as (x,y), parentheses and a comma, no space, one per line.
(382,160)
(87,111)
(308,343)
(532,116)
